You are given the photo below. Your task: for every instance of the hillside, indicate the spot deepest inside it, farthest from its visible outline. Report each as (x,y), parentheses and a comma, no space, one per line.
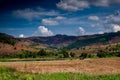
(10,44)
(107,38)
(60,41)
(5,38)
(54,41)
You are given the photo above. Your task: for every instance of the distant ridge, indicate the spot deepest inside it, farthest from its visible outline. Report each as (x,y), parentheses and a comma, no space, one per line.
(60,41)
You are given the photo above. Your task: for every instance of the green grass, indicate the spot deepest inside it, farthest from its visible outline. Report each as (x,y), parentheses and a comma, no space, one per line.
(10,74)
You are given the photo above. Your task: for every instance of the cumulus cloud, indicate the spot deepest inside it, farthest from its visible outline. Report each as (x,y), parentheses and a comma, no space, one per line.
(30,14)
(21,36)
(43,31)
(115,27)
(53,21)
(74,5)
(81,30)
(94,18)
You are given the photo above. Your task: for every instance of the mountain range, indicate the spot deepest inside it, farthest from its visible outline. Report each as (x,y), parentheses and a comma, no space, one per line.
(60,41)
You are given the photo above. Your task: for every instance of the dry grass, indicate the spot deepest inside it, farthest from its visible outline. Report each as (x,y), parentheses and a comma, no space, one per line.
(90,66)
(7,48)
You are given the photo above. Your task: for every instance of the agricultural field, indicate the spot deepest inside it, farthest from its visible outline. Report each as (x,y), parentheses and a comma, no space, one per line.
(10,74)
(88,66)
(88,69)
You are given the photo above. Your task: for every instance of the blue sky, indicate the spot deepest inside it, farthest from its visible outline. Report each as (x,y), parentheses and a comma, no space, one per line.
(24,18)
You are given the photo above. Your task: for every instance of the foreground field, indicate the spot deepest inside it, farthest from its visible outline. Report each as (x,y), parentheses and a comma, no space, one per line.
(88,66)
(10,74)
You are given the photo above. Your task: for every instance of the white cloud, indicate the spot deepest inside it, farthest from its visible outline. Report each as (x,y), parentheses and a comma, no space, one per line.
(103,3)
(94,25)
(21,36)
(94,18)
(113,18)
(81,30)
(60,18)
(74,5)
(50,22)
(101,32)
(115,28)
(43,31)
(30,14)
(53,21)
(106,23)
(111,23)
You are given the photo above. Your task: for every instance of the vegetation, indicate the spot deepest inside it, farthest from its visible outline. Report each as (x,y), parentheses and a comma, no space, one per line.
(72,54)
(102,54)
(42,52)
(94,39)
(109,51)
(7,39)
(82,52)
(10,74)
(64,53)
(83,55)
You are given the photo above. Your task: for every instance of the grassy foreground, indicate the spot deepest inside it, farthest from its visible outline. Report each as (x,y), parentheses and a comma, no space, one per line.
(10,74)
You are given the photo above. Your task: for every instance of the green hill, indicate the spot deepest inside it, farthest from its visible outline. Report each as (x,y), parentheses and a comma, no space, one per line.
(103,39)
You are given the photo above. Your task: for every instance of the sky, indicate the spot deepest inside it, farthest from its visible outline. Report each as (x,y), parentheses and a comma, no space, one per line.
(25,18)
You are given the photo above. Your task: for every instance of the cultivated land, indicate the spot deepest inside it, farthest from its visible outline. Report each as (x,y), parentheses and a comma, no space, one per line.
(87,66)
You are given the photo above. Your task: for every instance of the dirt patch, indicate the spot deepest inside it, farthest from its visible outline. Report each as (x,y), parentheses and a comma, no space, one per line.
(90,66)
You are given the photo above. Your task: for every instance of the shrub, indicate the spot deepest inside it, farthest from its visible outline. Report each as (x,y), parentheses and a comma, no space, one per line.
(72,54)
(117,54)
(83,55)
(60,56)
(42,52)
(64,52)
(26,54)
(102,54)
(91,56)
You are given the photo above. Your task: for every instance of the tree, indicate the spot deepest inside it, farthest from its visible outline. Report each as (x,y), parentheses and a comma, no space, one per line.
(72,54)
(102,54)
(64,52)
(42,52)
(83,55)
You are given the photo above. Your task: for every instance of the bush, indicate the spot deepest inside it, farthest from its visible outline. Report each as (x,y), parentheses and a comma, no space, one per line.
(60,56)
(117,54)
(64,52)
(42,52)
(91,56)
(102,54)
(83,55)
(72,54)
(26,54)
